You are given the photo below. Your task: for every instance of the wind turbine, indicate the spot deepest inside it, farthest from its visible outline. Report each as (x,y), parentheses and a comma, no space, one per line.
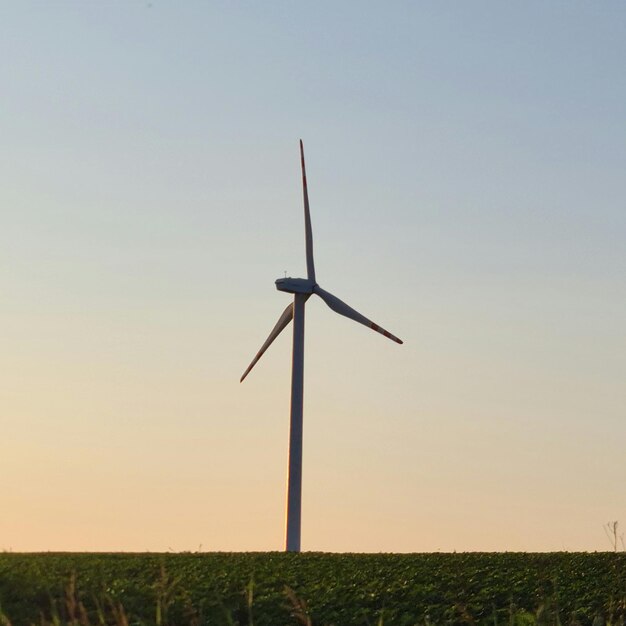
(302,289)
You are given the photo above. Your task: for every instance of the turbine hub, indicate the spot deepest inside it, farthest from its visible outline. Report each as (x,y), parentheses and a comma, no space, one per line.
(295,285)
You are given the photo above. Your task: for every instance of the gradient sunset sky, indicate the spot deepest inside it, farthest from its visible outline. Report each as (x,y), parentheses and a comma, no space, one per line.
(467,177)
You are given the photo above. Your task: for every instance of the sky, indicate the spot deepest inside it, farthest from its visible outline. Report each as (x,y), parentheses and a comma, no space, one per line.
(466,178)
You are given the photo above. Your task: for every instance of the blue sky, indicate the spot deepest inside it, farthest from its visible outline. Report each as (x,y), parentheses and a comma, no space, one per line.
(465,164)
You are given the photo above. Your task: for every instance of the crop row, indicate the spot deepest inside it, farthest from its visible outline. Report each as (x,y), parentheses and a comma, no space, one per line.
(275,589)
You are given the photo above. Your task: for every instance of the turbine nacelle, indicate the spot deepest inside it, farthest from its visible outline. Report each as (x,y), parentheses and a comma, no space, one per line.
(295,285)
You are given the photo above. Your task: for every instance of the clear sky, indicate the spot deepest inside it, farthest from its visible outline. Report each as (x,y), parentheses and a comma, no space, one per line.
(466,165)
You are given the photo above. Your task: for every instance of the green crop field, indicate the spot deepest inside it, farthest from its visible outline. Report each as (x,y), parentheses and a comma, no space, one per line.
(275,589)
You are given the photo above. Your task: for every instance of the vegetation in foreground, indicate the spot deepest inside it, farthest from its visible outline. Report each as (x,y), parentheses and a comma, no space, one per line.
(276,589)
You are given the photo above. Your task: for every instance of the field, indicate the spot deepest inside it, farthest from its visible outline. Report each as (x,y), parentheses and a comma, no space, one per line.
(276,589)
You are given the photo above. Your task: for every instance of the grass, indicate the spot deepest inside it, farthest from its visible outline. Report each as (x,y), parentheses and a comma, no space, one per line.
(276,589)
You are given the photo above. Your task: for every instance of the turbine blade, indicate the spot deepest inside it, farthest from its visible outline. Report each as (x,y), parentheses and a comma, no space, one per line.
(342,308)
(281,324)
(310,267)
